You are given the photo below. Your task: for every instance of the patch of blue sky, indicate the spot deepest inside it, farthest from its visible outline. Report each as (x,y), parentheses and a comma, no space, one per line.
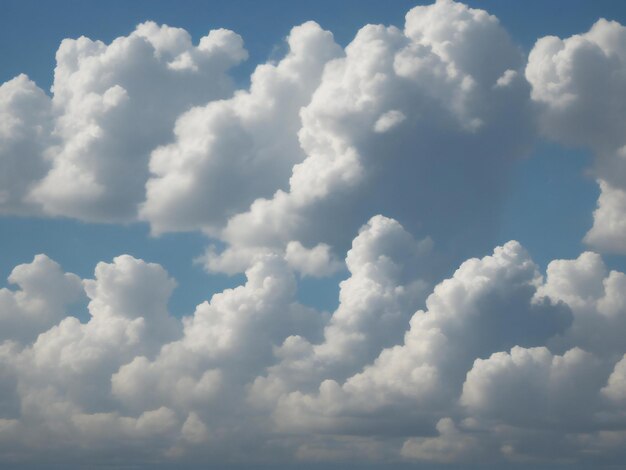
(79,246)
(550,203)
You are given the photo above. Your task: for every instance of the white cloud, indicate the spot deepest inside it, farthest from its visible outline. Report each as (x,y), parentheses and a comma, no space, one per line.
(72,361)
(578,84)
(375,304)
(545,388)
(476,364)
(615,389)
(226,343)
(44,294)
(609,227)
(596,299)
(231,152)
(388,121)
(317,261)
(485,307)
(25,128)
(84,152)
(450,446)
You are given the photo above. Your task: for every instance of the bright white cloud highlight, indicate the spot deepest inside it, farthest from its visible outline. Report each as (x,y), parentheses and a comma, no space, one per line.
(231,152)
(84,152)
(384,126)
(495,351)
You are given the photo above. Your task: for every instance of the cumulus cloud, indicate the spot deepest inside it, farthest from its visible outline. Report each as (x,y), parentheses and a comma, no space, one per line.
(596,298)
(59,382)
(578,86)
(224,344)
(25,133)
(44,295)
(233,151)
(384,288)
(387,160)
(84,152)
(386,124)
(545,388)
(609,226)
(486,306)
(450,446)
(477,361)
(317,261)
(615,389)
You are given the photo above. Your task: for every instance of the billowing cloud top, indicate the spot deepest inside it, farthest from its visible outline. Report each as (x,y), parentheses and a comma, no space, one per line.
(386,162)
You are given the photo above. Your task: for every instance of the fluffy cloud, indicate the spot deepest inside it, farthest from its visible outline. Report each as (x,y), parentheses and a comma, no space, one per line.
(375,303)
(44,295)
(25,128)
(596,298)
(224,345)
(486,306)
(127,305)
(385,126)
(609,226)
(479,363)
(317,261)
(450,446)
(84,153)
(615,389)
(59,383)
(578,85)
(545,388)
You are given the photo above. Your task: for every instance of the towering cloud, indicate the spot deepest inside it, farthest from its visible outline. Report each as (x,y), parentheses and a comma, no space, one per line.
(44,295)
(495,353)
(231,152)
(25,134)
(486,306)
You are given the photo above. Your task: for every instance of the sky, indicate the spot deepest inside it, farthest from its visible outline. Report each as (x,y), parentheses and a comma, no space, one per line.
(313,234)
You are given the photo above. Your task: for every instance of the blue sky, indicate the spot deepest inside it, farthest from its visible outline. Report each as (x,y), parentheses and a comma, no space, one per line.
(497,138)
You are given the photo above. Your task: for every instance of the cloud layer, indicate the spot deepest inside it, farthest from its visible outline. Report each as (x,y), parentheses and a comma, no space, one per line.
(387,161)
(497,356)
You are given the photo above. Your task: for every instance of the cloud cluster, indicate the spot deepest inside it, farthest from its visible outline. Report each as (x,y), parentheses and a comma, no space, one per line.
(388,158)
(494,364)
(400,115)
(578,84)
(148,128)
(84,152)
